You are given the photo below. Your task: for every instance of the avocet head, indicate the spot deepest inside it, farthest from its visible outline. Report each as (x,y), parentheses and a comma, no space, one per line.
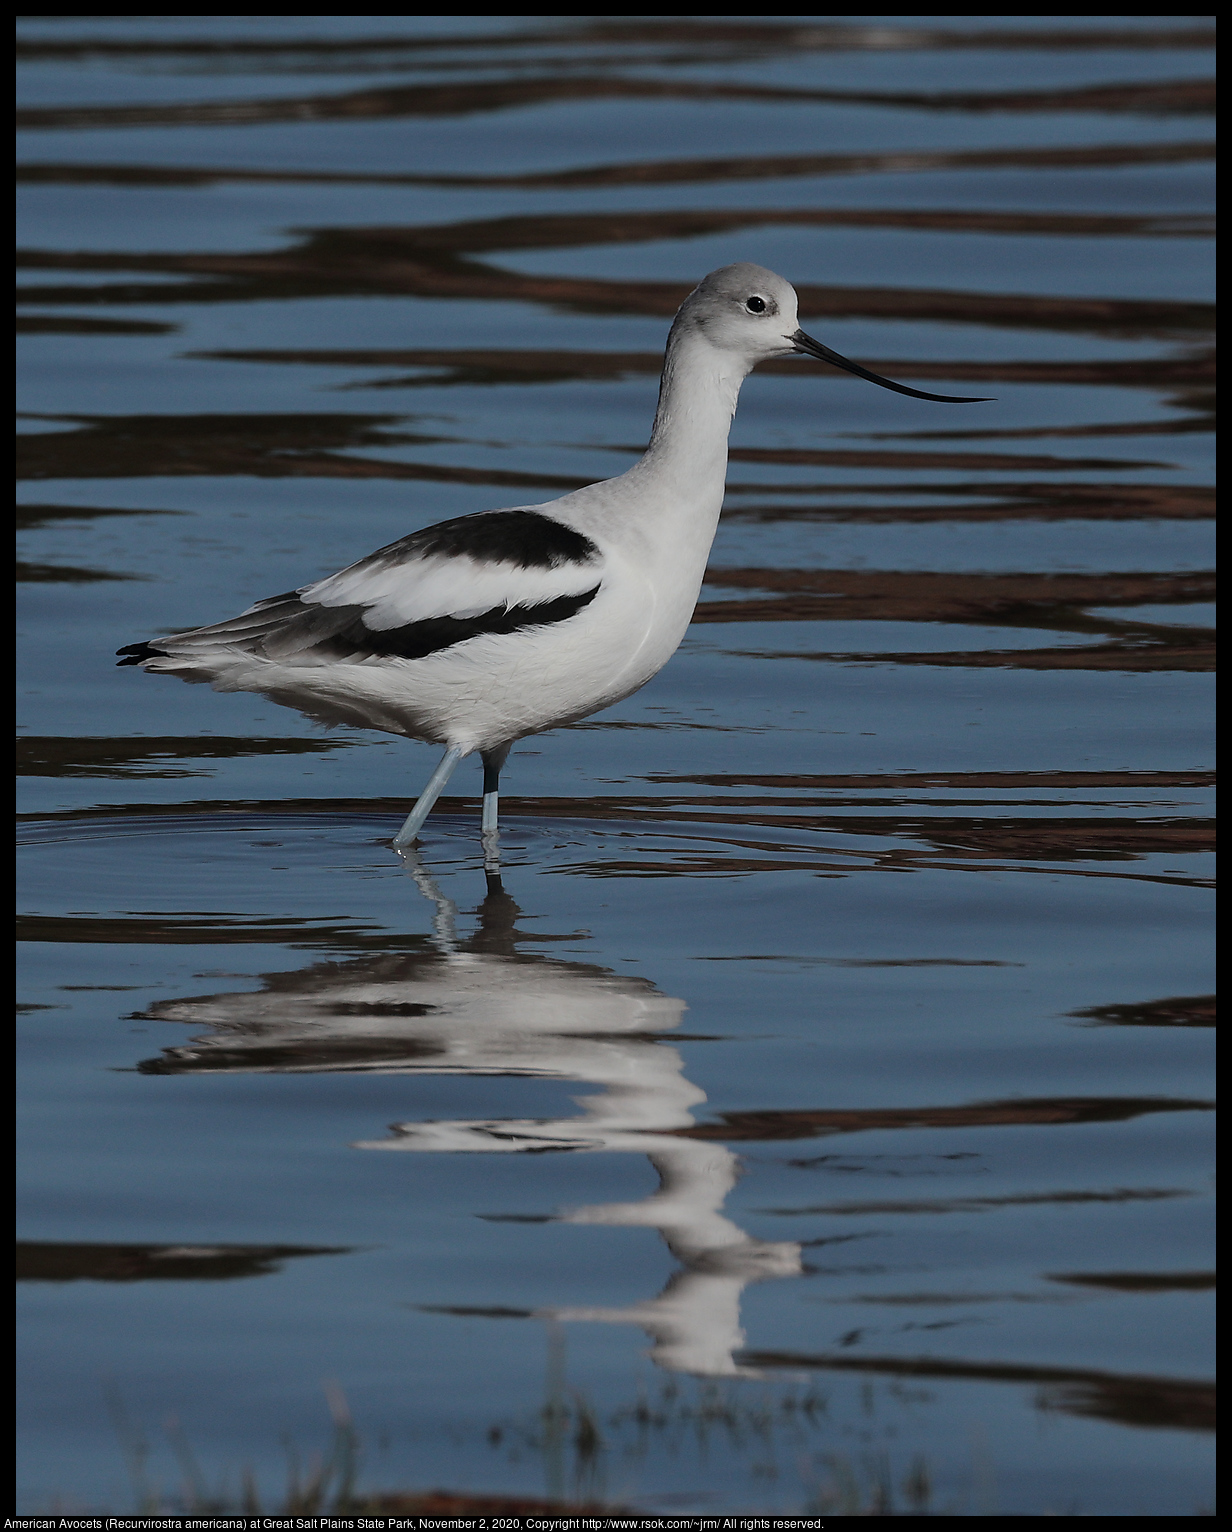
(744,309)
(753,313)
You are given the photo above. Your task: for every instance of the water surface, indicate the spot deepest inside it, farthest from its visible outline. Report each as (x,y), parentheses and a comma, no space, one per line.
(816,1111)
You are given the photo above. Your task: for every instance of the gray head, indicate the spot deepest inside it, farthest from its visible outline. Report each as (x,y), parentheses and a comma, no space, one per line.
(743,309)
(751,313)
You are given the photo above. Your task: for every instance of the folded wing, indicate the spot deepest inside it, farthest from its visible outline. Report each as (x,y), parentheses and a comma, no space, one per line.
(497,572)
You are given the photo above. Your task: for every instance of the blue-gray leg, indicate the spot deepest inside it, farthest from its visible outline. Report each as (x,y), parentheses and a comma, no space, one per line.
(434,789)
(493,760)
(489,831)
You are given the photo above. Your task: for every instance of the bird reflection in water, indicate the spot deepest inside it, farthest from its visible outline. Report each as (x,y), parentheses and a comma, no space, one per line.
(479,1006)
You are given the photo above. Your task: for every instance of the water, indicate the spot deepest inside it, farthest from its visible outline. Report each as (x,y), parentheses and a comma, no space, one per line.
(818,1115)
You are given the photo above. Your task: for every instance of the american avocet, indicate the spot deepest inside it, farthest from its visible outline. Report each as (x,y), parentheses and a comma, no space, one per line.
(479,631)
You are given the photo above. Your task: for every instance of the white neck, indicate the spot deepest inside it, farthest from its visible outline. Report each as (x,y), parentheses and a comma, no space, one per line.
(687,455)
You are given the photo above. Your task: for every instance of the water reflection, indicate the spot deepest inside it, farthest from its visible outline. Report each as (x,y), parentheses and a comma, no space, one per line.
(443,261)
(479,1006)
(1176,1403)
(293,287)
(74,1261)
(1191,97)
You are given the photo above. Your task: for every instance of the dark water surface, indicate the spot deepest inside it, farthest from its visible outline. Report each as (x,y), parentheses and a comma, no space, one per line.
(819,1112)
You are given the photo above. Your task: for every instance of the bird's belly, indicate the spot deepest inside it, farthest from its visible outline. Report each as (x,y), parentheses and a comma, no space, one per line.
(497,686)
(506,686)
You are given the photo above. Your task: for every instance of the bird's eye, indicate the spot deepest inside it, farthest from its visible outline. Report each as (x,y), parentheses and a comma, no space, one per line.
(755,305)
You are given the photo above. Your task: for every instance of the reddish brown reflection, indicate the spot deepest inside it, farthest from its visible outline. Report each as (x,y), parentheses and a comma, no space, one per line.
(1176,1011)
(56,1261)
(774,1126)
(1188,369)
(148,756)
(738,838)
(31,516)
(1127,1400)
(951,596)
(208,930)
(66,574)
(1130,657)
(942,1205)
(267,446)
(734,36)
(1154,98)
(1008,781)
(76,324)
(966,462)
(1142,1281)
(985,502)
(423,262)
(659,172)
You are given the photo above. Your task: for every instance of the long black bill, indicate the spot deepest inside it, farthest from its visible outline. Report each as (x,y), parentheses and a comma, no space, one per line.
(810,347)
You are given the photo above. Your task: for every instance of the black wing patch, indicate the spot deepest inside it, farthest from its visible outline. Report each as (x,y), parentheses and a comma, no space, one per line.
(286,628)
(525,539)
(136,653)
(281,627)
(353,639)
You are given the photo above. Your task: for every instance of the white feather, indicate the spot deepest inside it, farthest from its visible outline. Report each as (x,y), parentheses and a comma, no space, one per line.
(442,586)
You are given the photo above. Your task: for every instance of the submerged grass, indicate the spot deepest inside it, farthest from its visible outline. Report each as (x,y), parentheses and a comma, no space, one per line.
(324,1481)
(578,1448)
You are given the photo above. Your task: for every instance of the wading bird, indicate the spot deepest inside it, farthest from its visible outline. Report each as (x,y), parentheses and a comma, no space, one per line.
(479,631)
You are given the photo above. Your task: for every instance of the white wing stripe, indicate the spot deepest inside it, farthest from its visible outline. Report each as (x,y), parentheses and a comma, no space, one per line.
(424,588)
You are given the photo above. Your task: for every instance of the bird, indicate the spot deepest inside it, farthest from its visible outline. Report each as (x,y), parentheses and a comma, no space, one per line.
(489,627)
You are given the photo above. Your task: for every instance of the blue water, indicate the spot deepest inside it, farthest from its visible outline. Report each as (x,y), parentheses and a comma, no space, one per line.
(817,1115)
